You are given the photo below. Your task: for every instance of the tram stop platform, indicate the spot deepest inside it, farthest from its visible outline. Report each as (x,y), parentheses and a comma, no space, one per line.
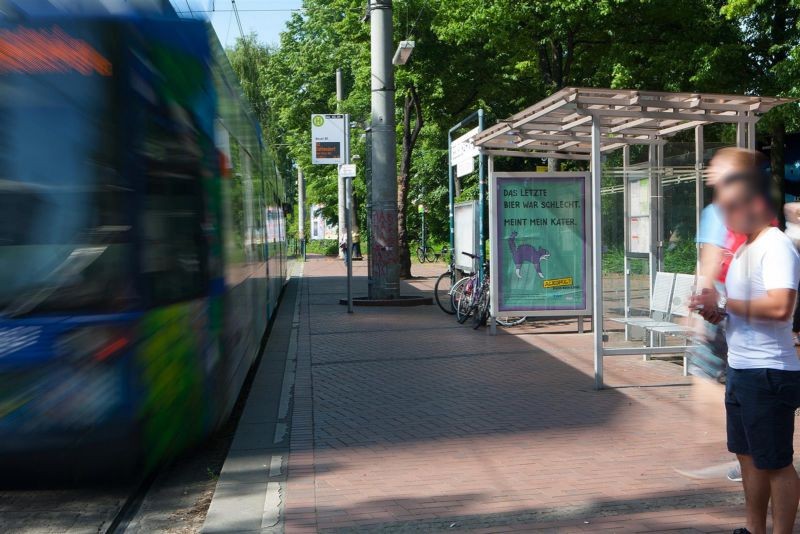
(402,420)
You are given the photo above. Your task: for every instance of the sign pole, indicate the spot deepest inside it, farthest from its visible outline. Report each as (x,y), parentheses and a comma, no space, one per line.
(482,207)
(341,184)
(348,214)
(452,184)
(451,200)
(492,230)
(301,211)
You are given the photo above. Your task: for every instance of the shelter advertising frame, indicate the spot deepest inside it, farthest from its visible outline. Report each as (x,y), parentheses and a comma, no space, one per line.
(532,288)
(466,235)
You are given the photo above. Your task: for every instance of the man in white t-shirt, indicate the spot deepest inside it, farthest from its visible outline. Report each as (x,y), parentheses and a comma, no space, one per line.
(763,383)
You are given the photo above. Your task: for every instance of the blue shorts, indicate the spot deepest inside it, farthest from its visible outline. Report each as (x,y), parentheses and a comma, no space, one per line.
(760,406)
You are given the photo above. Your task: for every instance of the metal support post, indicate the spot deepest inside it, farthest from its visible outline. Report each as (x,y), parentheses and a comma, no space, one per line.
(653,183)
(751,132)
(479,115)
(301,211)
(451,185)
(626,267)
(348,206)
(660,204)
(341,188)
(385,266)
(492,318)
(741,131)
(699,187)
(481,208)
(597,255)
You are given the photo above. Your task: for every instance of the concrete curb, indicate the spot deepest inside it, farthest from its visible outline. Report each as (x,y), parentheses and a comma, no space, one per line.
(251,490)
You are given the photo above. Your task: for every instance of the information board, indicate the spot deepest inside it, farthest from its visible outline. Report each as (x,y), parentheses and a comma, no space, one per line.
(465,217)
(639,216)
(327,139)
(463,153)
(541,253)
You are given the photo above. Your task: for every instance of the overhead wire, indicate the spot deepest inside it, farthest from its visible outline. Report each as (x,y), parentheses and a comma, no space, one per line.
(413,26)
(238,18)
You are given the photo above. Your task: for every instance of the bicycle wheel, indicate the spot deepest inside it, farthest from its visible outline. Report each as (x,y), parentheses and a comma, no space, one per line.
(421,255)
(442,292)
(457,293)
(481,313)
(505,320)
(464,303)
(429,255)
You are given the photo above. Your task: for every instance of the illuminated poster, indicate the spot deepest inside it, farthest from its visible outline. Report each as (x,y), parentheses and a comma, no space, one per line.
(540,254)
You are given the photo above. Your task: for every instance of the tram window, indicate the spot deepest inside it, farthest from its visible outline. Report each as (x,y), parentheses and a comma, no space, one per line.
(174,251)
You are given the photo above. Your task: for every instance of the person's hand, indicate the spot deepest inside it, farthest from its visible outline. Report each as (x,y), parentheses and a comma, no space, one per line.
(706,298)
(705,303)
(712,315)
(792,212)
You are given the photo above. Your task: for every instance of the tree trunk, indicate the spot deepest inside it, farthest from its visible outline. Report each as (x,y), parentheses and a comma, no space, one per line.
(410,135)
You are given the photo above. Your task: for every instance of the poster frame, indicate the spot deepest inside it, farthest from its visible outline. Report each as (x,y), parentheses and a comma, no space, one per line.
(495,242)
(642,252)
(461,262)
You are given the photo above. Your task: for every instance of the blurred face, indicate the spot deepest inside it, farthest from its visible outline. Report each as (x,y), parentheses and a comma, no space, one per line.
(744,211)
(720,167)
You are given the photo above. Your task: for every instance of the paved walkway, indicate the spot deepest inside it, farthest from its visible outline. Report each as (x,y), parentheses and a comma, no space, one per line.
(403,420)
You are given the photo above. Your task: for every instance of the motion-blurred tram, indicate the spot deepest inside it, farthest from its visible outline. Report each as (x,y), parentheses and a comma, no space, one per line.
(142,242)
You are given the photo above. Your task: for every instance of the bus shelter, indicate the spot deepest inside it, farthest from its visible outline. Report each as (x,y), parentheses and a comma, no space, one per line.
(586,124)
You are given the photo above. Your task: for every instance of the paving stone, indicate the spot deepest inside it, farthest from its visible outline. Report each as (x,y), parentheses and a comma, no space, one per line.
(405,421)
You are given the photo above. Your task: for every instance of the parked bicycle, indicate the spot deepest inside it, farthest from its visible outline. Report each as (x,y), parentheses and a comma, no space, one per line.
(469,297)
(426,253)
(442,290)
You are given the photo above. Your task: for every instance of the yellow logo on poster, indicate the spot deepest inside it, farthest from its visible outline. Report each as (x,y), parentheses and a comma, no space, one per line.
(558,282)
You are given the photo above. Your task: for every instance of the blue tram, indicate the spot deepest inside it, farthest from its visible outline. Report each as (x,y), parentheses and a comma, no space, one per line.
(142,239)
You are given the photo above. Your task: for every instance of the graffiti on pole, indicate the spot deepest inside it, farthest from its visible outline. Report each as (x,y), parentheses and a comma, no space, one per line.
(384,241)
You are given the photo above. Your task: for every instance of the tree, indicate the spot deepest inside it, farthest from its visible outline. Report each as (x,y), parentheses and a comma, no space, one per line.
(502,55)
(410,135)
(772,36)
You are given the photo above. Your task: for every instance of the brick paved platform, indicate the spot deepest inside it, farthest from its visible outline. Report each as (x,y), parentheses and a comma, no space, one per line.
(403,420)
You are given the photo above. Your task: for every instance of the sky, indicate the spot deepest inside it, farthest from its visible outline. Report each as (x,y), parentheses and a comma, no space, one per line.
(265,17)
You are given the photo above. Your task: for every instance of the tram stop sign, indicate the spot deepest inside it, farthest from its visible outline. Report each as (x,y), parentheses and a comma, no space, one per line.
(327,139)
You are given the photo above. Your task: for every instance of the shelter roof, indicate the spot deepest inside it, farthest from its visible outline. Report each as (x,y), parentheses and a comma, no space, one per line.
(560,125)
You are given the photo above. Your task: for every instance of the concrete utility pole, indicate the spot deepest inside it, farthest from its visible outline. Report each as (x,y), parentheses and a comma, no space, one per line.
(342,194)
(301,211)
(384,264)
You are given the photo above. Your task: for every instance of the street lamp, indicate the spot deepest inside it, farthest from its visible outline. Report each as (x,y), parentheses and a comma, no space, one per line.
(403,53)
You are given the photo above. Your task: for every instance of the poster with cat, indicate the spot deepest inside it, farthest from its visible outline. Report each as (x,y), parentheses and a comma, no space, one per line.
(540,257)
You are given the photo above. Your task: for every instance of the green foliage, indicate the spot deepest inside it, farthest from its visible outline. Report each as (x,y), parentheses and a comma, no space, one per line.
(614,262)
(502,55)
(681,258)
(328,247)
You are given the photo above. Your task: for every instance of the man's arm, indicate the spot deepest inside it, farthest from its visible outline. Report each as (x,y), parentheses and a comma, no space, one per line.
(777,305)
(710,265)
